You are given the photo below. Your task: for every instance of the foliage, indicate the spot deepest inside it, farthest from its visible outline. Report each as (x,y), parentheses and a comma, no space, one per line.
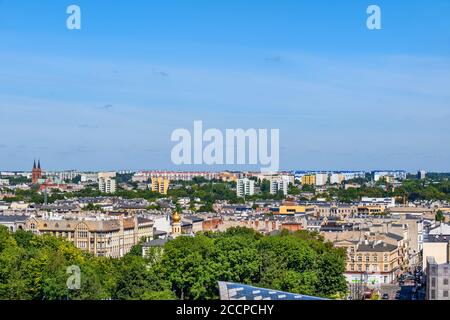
(35,267)
(440,216)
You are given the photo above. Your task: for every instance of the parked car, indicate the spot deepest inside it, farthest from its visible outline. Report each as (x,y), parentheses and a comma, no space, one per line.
(385,296)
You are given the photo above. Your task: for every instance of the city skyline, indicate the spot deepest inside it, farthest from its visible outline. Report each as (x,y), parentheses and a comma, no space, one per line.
(109,95)
(37,163)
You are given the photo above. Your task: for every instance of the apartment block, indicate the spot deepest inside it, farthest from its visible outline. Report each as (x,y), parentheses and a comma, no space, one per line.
(309,180)
(279,184)
(245,187)
(107,182)
(337,178)
(160,185)
(321,179)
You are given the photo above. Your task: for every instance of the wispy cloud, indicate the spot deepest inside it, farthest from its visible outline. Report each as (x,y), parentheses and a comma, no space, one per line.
(88,126)
(273,59)
(160,73)
(106,107)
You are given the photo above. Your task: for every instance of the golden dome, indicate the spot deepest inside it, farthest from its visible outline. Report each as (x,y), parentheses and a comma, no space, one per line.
(176,217)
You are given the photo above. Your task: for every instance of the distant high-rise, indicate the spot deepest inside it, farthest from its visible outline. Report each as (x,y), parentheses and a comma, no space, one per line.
(245,187)
(160,185)
(279,184)
(107,182)
(422,174)
(321,179)
(36,173)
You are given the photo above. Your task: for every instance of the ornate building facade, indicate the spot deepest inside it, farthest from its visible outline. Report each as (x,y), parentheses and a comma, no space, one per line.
(107,238)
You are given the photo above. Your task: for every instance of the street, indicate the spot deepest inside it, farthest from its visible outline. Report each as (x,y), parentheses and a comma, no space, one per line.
(405,290)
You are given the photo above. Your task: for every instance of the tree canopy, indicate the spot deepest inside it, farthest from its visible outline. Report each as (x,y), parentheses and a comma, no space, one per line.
(35,267)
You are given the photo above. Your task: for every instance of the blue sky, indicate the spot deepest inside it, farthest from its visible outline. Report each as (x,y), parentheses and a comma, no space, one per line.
(108,96)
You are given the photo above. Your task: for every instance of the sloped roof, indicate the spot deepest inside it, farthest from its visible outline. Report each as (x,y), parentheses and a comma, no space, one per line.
(236,291)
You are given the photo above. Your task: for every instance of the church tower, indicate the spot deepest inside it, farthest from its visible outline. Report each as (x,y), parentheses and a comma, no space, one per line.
(176,225)
(36,173)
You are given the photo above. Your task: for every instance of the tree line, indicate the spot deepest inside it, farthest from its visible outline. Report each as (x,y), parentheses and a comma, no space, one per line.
(34,267)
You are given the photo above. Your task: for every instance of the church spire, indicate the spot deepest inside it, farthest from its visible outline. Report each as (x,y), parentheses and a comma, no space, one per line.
(39,163)
(34,164)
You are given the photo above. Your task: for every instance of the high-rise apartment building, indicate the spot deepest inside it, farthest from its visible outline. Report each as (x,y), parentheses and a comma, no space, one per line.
(107,182)
(321,179)
(337,178)
(160,185)
(245,187)
(422,174)
(309,180)
(279,184)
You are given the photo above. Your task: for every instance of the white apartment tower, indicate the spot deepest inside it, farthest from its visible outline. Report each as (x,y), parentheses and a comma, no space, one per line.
(422,175)
(279,184)
(107,182)
(321,179)
(245,187)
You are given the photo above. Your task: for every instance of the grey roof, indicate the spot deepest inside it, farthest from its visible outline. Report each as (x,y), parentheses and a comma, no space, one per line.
(194,219)
(13,218)
(437,238)
(382,246)
(395,236)
(159,233)
(155,243)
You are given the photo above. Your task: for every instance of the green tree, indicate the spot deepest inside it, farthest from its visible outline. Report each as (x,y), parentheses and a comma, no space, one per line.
(440,216)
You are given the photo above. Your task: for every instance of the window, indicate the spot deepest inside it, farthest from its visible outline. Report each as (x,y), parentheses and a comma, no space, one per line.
(82,231)
(445,293)
(433,294)
(446,281)
(386,267)
(433,282)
